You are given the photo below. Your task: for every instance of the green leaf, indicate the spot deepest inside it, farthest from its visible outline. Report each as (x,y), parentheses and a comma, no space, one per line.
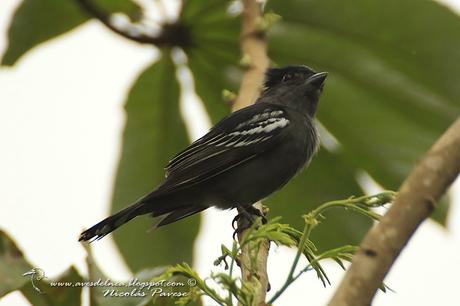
(36,21)
(12,265)
(207,70)
(214,54)
(327,178)
(154,132)
(201,12)
(389,94)
(54,292)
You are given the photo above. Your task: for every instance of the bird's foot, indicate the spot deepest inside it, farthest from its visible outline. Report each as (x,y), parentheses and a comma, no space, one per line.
(245,219)
(242,217)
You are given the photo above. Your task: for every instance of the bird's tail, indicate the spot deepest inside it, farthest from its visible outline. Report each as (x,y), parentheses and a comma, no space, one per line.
(151,204)
(111,223)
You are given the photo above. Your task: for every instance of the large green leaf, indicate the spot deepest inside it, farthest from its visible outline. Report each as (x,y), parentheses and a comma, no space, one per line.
(154,132)
(36,21)
(12,265)
(392,88)
(327,178)
(210,81)
(214,53)
(400,33)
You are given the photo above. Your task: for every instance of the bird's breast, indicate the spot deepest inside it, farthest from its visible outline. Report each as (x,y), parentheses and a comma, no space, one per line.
(303,145)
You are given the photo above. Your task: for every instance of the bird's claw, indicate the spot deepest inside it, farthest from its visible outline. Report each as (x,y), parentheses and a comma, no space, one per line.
(236,232)
(235,221)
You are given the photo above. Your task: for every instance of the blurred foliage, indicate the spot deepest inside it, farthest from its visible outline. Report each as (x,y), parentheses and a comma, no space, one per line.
(104,296)
(12,265)
(327,178)
(36,21)
(392,90)
(154,132)
(216,49)
(56,295)
(34,286)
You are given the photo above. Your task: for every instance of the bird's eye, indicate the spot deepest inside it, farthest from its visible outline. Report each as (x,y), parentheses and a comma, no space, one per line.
(287,77)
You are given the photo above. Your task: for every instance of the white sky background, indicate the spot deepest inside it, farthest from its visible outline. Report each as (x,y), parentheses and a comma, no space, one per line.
(61,119)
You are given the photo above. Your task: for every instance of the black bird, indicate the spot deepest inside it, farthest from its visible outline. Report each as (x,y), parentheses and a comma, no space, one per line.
(244,158)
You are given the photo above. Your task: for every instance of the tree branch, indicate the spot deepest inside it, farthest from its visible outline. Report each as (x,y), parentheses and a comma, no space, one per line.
(415,201)
(254,49)
(174,34)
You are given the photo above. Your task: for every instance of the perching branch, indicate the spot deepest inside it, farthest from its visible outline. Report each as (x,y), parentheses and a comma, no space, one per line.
(174,34)
(415,201)
(254,49)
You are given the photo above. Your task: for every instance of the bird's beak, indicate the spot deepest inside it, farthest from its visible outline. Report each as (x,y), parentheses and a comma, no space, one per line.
(317,79)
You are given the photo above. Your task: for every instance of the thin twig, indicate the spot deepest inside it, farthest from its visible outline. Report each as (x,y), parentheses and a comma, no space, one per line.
(290,278)
(415,201)
(232,264)
(105,19)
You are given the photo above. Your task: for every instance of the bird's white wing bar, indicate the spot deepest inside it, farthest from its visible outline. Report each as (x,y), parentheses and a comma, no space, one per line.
(265,126)
(264,115)
(256,129)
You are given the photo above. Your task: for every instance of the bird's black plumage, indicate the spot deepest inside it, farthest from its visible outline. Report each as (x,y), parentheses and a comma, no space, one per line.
(244,158)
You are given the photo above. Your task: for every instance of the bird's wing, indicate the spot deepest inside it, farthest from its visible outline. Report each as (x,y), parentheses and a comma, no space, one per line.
(236,139)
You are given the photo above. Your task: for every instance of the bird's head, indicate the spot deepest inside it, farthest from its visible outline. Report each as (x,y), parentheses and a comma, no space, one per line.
(298,87)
